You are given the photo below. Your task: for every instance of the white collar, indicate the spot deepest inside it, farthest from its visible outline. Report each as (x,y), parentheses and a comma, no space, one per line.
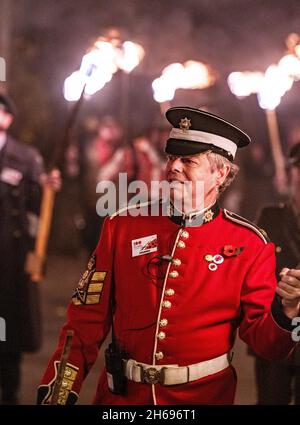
(191,215)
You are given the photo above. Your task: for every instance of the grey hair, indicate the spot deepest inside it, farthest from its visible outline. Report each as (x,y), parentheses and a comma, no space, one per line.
(218,162)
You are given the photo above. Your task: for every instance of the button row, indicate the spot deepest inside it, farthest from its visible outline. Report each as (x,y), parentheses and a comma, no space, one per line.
(170,292)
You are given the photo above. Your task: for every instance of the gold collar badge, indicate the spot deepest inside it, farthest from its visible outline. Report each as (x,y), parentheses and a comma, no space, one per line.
(208,216)
(185,124)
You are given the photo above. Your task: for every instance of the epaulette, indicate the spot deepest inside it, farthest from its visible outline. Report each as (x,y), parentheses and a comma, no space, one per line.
(130,207)
(244,222)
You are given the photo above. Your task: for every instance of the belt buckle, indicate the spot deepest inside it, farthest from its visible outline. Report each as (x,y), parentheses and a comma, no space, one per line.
(151,375)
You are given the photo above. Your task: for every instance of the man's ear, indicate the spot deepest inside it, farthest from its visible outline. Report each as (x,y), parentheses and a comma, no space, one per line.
(222,173)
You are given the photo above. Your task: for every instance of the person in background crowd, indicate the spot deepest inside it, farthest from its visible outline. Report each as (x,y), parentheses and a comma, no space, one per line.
(150,165)
(103,158)
(278,382)
(21,179)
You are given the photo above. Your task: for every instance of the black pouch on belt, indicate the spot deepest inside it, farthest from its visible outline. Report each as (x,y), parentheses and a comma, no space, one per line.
(116,378)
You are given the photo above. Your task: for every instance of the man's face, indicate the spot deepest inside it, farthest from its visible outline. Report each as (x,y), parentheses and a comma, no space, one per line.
(5,119)
(194,169)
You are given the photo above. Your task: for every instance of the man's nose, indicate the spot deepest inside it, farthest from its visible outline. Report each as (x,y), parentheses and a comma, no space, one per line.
(176,165)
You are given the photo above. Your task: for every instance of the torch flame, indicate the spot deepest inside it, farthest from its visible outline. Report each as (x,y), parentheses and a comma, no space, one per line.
(100,63)
(132,55)
(276,83)
(270,86)
(190,75)
(243,84)
(290,65)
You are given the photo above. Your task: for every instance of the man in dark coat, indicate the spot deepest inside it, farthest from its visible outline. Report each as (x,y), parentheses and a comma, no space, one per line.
(21,176)
(279,382)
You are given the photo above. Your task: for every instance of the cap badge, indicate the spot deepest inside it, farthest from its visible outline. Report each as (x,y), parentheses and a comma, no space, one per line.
(185,124)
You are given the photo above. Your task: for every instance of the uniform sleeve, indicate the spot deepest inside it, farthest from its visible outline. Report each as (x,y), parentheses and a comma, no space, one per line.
(89,318)
(262,326)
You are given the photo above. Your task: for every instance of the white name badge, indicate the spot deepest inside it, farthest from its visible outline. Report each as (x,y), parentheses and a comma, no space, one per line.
(144,245)
(11,176)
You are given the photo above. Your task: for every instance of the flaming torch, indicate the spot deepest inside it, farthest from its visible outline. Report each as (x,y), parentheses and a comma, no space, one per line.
(270,87)
(105,58)
(190,75)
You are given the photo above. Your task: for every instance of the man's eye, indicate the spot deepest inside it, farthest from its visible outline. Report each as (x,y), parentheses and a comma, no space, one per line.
(188,161)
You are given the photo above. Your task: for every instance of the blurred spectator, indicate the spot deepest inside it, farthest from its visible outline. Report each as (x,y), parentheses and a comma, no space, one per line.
(150,163)
(257,177)
(21,178)
(103,157)
(279,382)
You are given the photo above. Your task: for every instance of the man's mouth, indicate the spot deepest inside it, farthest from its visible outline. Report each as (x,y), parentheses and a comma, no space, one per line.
(171,179)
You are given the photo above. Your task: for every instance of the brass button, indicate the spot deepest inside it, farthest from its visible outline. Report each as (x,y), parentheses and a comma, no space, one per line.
(161,335)
(159,355)
(167,304)
(278,249)
(163,322)
(169,292)
(185,234)
(174,274)
(68,373)
(176,262)
(64,384)
(181,244)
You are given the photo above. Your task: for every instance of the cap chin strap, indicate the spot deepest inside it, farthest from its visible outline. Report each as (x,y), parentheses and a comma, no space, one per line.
(205,138)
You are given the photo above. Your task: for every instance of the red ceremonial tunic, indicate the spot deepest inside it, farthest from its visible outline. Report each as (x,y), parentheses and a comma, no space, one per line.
(173,312)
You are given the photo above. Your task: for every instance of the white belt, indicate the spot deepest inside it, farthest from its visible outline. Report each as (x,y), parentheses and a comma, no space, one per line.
(174,374)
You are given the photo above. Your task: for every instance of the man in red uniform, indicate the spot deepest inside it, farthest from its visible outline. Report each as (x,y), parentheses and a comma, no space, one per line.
(179,284)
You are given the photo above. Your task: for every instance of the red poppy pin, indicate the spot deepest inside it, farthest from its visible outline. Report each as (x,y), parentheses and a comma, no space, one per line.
(231,251)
